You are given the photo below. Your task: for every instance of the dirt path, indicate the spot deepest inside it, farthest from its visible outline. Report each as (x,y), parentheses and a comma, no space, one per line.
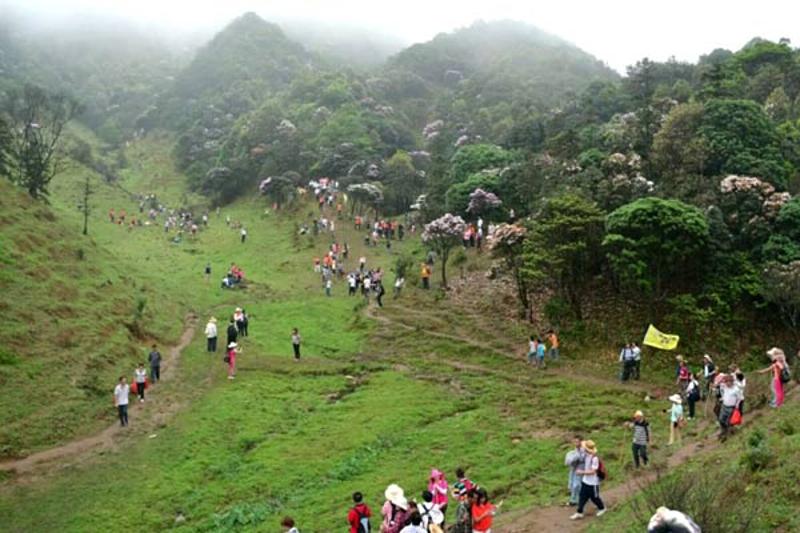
(105,439)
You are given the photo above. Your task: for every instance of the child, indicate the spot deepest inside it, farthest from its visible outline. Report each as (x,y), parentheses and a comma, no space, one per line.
(532,348)
(141,381)
(359,515)
(296,343)
(540,353)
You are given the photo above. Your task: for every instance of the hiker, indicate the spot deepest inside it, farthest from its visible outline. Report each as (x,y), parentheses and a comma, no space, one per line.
(432,516)
(238,317)
(154,358)
(532,347)
(359,515)
(414,524)
(398,285)
(366,286)
(233,333)
(590,484)
(731,397)
(741,382)
(692,394)
(121,400)
(207,272)
(244,234)
(463,481)
(395,510)
(140,376)
(296,340)
(288,524)
(780,375)
(637,361)
(709,373)
(483,512)
(379,291)
(676,420)
(437,485)
(328,286)
(668,521)
(352,284)
(682,375)
(626,358)
(463,521)
(574,459)
(552,338)
(211,335)
(641,438)
(233,350)
(245,322)
(425,274)
(540,353)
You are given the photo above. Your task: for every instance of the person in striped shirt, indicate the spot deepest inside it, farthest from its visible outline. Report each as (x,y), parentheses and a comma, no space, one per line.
(641,438)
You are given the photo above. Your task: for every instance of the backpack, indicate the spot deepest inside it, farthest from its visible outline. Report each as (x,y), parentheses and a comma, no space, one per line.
(786,376)
(602,473)
(363,523)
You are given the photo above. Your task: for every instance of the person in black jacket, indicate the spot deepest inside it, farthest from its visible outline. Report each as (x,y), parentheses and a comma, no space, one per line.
(233,332)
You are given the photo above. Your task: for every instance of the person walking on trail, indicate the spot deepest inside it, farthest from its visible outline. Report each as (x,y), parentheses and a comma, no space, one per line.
(245,322)
(238,317)
(296,340)
(233,351)
(211,335)
(641,438)
(359,515)
(780,375)
(154,358)
(540,353)
(437,485)
(232,333)
(626,360)
(425,275)
(692,394)
(590,484)
(731,397)
(379,292)
(328,286)
(243,234)
(676,420)
(140,376)
(709,373)
(574,460)
(121,400)
(463,521)
(532,348)
(637,361)
(682,376)
(432,516)
(552,338)
(741,382)
(483,512)
(395,510)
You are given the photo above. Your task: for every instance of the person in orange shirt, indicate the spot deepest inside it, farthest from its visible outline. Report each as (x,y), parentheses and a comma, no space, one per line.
(483,512)
(553,339)
(425,274)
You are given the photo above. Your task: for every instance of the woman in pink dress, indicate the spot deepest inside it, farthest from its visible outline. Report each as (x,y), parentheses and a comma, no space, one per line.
(233,350)
(438,487)
(776,368)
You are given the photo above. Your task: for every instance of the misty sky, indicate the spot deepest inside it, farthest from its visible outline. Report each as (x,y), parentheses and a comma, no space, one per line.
(618,32)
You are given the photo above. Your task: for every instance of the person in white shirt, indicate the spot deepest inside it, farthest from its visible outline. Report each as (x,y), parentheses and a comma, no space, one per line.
(121,400)
(211,334)
(140,375)
(590,484)
(244,234)
(415,526)
(731,396)
(430,512)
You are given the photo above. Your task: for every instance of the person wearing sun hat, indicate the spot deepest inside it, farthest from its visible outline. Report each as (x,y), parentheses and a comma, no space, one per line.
(590,483)
(395,510)
(211,334)
(776,368)
(233,350)
(675,419)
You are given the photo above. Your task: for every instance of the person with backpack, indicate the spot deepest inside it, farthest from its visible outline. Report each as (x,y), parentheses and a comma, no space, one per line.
(121,400)
(432,517)
(641,438)
(232,333)
(154,358)
(359,515)
(573,460)
(462,483)
(692,394)
(437,485)
(483,512)
(593,473)
(780,375)
(463,521)
(540,349)
(395,510)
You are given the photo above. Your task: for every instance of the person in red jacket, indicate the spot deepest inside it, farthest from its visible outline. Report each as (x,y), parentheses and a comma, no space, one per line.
(359,515)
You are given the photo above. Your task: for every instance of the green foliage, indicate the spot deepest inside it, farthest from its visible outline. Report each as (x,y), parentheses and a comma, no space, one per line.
(457,197)
(473,158)
(563,248)
(657,246)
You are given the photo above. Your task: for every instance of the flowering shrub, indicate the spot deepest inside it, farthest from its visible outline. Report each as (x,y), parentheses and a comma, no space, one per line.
(442,235)
(481,201)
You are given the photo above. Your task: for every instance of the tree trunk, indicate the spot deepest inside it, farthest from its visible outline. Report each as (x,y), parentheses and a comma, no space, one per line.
(444,269)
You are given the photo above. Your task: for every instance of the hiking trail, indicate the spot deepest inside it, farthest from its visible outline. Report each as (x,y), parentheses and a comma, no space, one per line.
(159,412)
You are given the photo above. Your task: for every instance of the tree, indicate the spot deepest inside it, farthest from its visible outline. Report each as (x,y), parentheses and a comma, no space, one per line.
(279,189)
(458,195)
(563,249)
(5,142)
(781,287)
(37,122)
(678,150)
(84,206)
(507,244)
(403,182)
(473,158)
(657,245)
(442,235)
(369,195)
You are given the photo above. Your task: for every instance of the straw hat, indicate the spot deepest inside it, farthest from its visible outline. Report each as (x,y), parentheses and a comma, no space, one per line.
(589,446)
(706,356)
(232,345)
(395,495)
(675,398)
(679,358)
(775,352)
(638,414)
(212,319)
(238,309)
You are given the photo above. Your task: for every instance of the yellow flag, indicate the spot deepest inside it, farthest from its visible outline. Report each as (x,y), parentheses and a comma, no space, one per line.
(659,340)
